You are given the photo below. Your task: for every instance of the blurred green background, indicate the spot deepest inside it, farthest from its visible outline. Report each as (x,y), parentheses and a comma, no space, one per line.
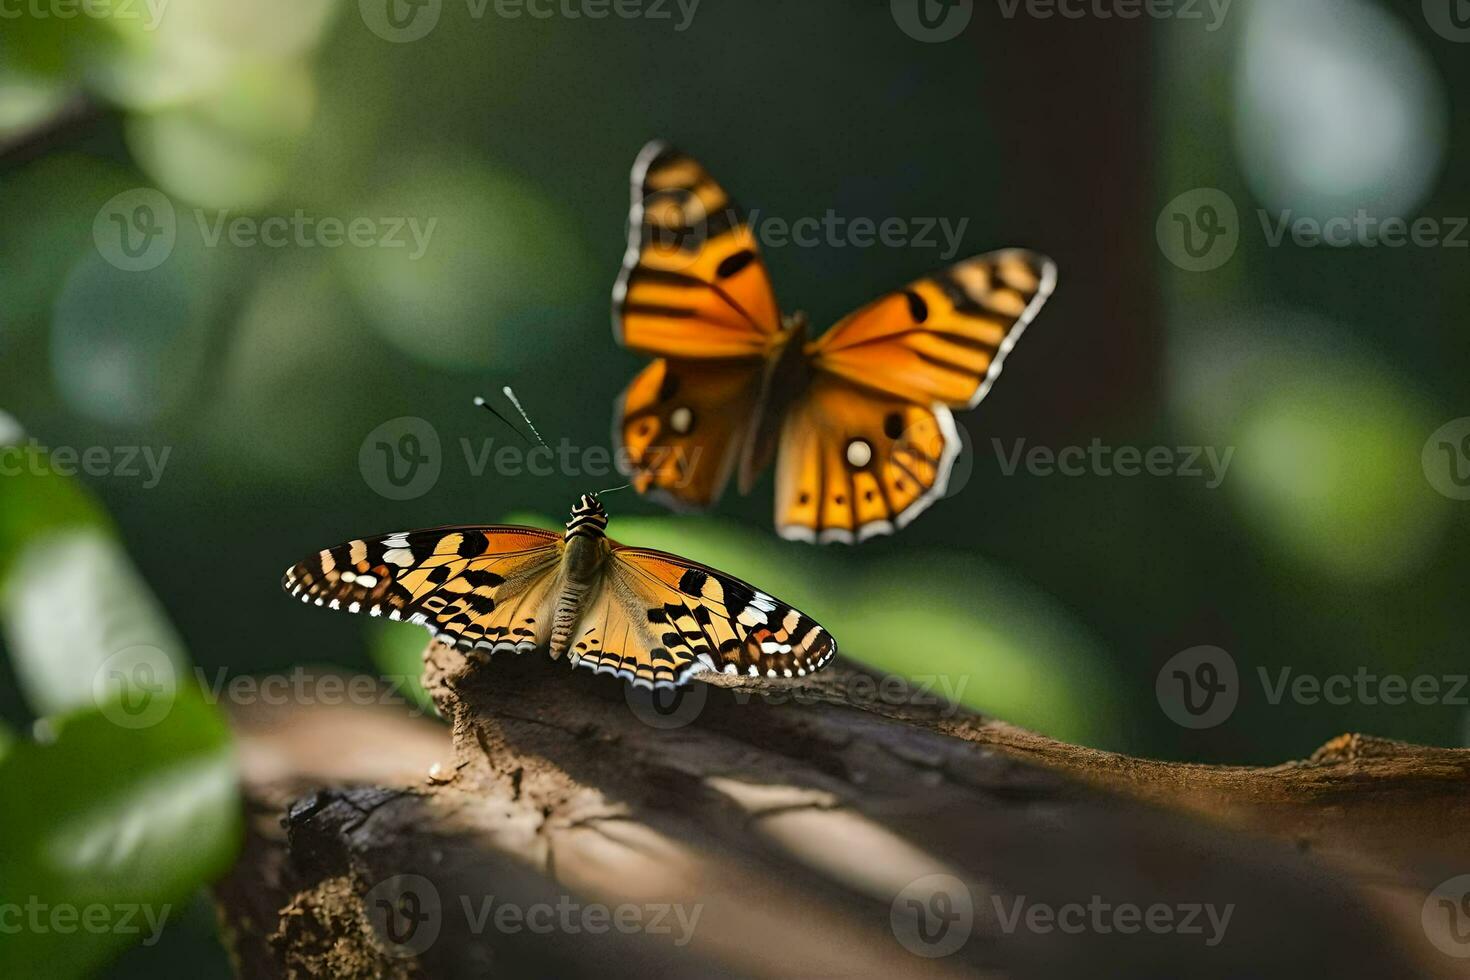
(1051,601)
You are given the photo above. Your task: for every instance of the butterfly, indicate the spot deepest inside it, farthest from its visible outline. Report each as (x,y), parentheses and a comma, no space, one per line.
(649,617)
(857,421)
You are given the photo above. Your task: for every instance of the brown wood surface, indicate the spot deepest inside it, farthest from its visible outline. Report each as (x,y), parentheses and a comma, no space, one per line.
(790,818)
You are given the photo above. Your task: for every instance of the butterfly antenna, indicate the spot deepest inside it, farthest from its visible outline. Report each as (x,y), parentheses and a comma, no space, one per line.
(599,493)
(508,424)
(517,403)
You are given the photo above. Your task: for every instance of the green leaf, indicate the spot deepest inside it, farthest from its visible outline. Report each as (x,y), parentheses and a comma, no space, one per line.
(81,625)
(108,829)
(35,502)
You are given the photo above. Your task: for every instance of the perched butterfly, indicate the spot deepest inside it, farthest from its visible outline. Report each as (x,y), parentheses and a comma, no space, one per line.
(858,421)
(652,618)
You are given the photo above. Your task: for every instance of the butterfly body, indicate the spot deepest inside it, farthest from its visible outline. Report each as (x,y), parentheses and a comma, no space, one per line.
(857,421)
(649,617)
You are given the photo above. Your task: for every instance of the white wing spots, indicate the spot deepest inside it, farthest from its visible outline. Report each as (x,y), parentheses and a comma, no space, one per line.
(681,420)
(393,614)
(335,604)
(731,669)
(402,557)
(771,646)
(354,607)
(367,581)
(399,540)
(751,617)
(859,454)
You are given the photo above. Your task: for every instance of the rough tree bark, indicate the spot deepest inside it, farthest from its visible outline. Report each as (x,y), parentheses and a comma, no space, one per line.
(793,820)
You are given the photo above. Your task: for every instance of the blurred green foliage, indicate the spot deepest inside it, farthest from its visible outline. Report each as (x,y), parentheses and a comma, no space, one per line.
(1050,601)
(125,801)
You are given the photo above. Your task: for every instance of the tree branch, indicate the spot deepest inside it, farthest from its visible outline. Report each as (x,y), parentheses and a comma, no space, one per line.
(790,821)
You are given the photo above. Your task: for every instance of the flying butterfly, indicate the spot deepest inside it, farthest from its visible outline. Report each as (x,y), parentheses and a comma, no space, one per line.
(858,421)
(649,617)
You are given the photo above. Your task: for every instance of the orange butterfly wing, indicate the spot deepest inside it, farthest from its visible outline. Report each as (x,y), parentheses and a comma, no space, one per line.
(694,293)
(489,587)
(658,619)
(871,444)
